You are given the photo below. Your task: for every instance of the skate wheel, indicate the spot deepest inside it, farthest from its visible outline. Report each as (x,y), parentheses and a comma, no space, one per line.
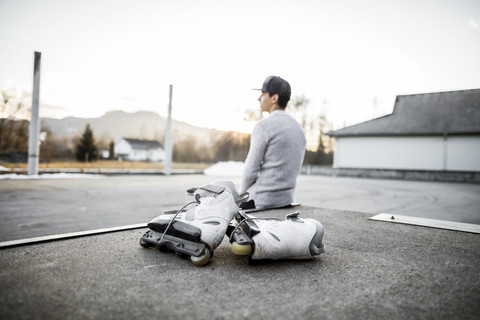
(145,244)
(241,249)
(203,259)
(163,248)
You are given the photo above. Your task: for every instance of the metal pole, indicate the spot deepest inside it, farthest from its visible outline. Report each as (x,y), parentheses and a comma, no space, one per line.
(168,137)
(34,127)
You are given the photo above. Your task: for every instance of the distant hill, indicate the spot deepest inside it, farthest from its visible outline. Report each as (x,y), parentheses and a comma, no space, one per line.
(116,124)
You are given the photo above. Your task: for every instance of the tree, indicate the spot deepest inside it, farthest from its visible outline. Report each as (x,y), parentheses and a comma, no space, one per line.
(111,150)
(13,129)
(54,148)
(319,149)
(185,150)
(298,106)
(86,149)
(232,146)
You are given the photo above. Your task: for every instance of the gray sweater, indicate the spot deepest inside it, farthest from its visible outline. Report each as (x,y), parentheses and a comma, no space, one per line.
(274,160)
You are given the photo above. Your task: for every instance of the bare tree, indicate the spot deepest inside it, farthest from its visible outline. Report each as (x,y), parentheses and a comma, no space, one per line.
(185,150)
(232,146)
(315,124)
(53,148)
(13,126)
(298,108)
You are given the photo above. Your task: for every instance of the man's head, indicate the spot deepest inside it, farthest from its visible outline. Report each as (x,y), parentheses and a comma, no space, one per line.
(278,91)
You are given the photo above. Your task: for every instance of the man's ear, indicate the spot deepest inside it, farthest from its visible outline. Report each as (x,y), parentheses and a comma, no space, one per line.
(275,98)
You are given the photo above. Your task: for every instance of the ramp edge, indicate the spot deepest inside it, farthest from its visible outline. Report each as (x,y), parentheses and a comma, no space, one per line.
(63,236)
(424,222)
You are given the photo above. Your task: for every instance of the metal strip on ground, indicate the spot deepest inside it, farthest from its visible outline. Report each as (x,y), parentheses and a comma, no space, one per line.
(21,242)
(424,222)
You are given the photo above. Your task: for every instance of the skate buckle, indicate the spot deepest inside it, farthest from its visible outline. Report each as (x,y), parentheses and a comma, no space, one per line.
(242,198)
(294,216)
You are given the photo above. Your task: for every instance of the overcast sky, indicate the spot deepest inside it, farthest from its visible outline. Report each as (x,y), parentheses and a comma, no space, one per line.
(350,58)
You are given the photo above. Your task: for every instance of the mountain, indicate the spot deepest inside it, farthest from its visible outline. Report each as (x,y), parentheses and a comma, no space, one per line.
(116,124)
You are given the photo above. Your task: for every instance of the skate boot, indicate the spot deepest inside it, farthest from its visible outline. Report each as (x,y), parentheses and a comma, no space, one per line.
(198,228)
(272,238)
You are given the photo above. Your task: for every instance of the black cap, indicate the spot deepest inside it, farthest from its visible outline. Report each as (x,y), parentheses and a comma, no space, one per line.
(276,85)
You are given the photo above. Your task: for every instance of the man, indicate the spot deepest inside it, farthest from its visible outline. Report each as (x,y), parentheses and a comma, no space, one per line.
(277,148)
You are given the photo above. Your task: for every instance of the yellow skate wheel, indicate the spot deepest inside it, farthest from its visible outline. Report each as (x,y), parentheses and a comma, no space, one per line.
(201,260)
(241,249)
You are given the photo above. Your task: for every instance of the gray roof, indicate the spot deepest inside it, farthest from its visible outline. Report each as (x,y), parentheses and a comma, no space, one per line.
(452,112)
(144,144)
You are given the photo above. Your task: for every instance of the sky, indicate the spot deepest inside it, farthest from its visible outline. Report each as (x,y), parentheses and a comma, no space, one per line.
(350,58)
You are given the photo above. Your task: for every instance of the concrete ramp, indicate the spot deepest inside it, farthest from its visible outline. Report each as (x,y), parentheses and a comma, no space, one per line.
(371,270)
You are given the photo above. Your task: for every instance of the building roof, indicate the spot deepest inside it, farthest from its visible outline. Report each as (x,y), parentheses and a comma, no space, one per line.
(453,112)
(144,144)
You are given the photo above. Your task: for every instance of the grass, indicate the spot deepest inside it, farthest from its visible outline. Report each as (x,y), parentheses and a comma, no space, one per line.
(108,164)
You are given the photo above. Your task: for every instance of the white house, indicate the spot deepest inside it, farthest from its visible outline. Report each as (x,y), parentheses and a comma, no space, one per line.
(432,131)
(139,150)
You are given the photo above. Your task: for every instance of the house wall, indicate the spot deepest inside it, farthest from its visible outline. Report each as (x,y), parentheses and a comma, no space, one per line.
(122,148)
(137,155)
(126,152)
(455,153)
(154,155)
(463,153)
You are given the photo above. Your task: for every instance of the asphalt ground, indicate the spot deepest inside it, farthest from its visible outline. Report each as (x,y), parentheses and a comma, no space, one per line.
(40,207)
(370,270)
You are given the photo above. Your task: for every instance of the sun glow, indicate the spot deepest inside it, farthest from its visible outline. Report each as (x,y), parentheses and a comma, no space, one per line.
(214,54)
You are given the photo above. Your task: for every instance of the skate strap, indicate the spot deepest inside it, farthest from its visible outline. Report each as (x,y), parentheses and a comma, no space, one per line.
(213,190)
(294,216)
(209,190)
(170,211)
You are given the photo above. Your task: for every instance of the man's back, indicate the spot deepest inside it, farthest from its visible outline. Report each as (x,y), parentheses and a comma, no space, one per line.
(274,160)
